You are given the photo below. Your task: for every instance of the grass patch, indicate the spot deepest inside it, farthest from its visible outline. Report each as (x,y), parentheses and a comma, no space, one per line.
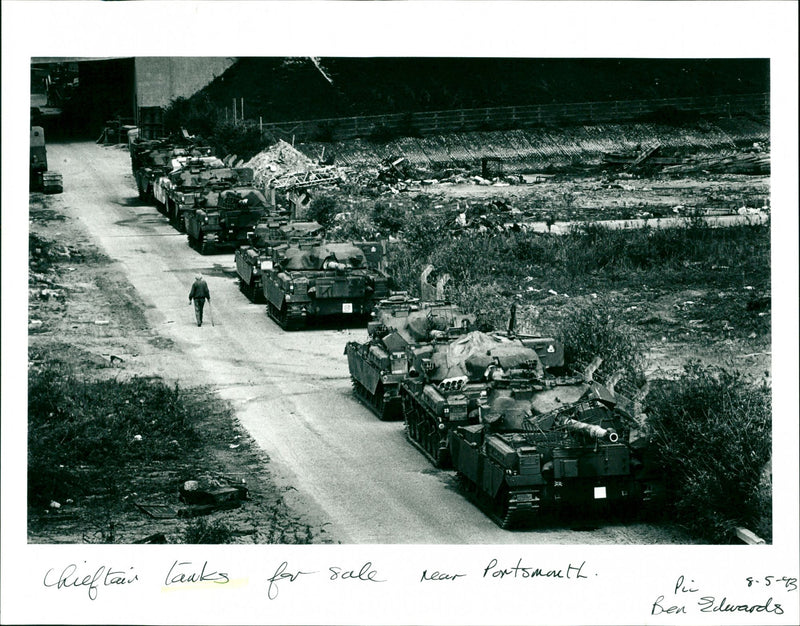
(714,438)
(85,436)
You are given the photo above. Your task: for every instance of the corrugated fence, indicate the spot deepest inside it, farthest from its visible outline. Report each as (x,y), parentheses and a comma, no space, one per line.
(493,118)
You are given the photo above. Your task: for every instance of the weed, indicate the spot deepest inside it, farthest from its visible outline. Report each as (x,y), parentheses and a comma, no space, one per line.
(203,531)
(593,331)
(83,433)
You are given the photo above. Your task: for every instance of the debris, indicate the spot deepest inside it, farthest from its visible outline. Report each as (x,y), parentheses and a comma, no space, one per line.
(749,537)
(210,492)
(155,538)
(137,437)
(54,504)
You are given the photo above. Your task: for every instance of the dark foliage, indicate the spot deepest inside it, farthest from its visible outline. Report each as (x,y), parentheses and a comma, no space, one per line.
(714,440)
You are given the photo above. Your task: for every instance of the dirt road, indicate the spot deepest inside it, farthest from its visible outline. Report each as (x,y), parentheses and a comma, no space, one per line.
(291,391)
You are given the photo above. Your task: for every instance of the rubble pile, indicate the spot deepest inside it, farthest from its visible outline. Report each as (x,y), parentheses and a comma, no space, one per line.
(278,160)
(753,162)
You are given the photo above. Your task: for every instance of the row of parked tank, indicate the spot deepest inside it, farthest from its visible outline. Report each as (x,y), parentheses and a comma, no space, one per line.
(285,263)
(526,435)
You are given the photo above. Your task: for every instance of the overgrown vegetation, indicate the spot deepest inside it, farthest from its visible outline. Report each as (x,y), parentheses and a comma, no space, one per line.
(85,435)
(204,531)
(713,433)
(594,331)
(589,256)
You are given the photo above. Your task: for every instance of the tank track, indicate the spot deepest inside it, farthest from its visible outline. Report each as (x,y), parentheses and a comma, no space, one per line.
(201,245)
(423,432)
(281,318)
(513,509)
(250,291)
(375,402)
(520,509)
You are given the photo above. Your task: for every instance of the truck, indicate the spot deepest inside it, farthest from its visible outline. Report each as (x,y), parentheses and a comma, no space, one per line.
(273,233)
(311,281)
(222,217)
(378,365)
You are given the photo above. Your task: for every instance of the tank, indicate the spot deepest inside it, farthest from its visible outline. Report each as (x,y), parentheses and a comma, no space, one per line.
(447,379)
(535,444)
(189,178)
(378,365)
(309,282)
(222,217)
(271,235)
(153,159)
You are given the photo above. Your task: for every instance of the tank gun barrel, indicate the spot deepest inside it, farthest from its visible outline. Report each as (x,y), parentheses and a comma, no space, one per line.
(592,430)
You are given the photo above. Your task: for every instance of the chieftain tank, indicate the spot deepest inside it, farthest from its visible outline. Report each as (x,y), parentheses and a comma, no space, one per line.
(400,322)
(270,236)
(527,436)
(308,282)
(223,217)
(152,159)
(446,381)
(188,179)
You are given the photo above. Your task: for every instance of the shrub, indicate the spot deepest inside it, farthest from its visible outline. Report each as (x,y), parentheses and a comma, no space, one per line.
(388,218)
(323,208)
(202,531)
(713,432)
(591,331)
(242,139)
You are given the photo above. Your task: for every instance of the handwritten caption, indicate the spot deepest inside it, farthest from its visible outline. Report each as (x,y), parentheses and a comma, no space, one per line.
(91,579)
(689,595)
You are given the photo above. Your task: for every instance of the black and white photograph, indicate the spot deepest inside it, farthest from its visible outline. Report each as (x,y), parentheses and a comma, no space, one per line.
(388,325)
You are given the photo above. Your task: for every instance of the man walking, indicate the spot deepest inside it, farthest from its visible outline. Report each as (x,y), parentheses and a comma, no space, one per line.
(199,294)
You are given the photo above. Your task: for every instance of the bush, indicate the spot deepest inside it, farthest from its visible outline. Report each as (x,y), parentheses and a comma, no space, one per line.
(323,208)
(592,331)
(202,531)
(241,139)
(388,218)
(714,439)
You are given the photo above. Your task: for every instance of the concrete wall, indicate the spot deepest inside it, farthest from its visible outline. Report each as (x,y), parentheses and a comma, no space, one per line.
(159,80)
